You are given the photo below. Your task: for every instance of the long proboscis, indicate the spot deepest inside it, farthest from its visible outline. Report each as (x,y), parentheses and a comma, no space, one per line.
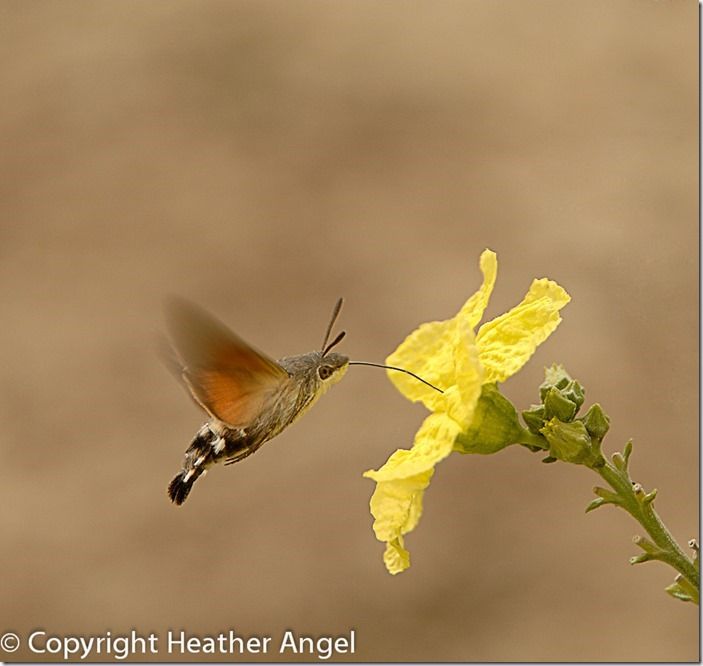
(391,367)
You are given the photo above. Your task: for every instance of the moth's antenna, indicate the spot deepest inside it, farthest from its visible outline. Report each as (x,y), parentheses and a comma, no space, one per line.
(335,314)
(390,367)
(334,343)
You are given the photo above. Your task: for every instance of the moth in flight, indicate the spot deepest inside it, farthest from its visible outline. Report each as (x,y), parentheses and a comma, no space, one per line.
(248,397)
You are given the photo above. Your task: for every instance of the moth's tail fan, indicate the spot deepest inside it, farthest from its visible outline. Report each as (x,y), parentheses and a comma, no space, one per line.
(179,488)
(198,458)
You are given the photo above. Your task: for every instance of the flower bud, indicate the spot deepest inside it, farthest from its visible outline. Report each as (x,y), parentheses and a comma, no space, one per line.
(574,392)
(557,404)
(534,418)
(554,376)
(596,421)
(569,442)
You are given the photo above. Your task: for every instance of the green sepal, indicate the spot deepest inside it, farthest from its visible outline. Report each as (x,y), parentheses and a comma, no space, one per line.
(534,418)
(557,404)
(574,392)
(597,422)
(495,424)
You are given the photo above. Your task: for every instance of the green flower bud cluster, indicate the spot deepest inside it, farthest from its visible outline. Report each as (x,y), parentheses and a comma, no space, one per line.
(571,438)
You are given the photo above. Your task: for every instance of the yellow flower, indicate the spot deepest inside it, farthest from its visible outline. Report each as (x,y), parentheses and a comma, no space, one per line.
(450,355)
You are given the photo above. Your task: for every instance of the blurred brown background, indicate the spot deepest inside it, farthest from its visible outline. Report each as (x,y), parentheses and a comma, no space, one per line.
(263,158)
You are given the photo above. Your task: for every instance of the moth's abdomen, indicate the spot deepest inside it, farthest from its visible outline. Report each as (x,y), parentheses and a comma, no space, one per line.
(213,442)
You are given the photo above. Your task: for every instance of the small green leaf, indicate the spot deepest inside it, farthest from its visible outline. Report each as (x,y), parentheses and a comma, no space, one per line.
(639,559)
(608,495)
(648,547)
(627,451)
(683,590)
(619,461)
(675,591)
(598,502)
(649,497)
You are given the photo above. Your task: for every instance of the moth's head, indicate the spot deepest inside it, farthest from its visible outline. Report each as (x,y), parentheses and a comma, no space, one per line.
(331,367)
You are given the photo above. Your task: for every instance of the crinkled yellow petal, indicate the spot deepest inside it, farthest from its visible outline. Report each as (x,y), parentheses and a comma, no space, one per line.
(431,350)
(396,558)
(473,309)
(397,505)
(461,398)
(506,343)
(428,352)
(433,442)
(444,354)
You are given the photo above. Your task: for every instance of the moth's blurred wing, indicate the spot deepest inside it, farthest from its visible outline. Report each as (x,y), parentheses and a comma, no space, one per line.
(228,378)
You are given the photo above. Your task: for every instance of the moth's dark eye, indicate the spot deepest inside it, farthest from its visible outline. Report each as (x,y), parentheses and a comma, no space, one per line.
(324,371)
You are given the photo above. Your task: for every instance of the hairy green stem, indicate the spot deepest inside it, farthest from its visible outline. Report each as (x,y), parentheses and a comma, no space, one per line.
(644,513)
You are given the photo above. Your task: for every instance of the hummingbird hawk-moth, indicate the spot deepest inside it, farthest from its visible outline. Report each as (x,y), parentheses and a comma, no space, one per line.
(249,398)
